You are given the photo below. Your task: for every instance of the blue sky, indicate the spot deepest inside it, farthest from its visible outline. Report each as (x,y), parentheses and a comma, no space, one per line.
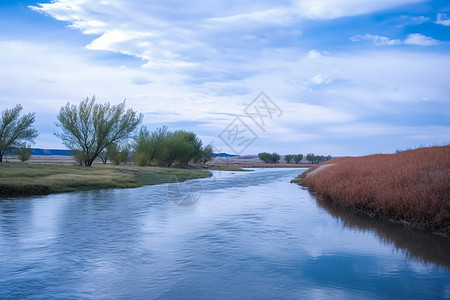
(349,77)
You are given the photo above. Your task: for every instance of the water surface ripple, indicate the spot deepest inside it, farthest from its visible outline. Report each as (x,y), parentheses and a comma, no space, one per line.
(245,235)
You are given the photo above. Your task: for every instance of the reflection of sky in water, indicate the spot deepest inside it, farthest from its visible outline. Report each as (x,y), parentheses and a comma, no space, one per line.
(250,235)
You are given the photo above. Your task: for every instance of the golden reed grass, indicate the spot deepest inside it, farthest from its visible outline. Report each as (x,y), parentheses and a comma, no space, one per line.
(411,187)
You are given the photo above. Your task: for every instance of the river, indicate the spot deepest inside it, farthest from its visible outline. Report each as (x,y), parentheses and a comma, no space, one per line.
(236,235)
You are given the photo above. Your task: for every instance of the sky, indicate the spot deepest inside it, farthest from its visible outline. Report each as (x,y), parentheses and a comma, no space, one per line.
(338,77)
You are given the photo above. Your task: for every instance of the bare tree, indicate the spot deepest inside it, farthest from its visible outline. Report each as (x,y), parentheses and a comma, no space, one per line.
(89,127)
(15,130)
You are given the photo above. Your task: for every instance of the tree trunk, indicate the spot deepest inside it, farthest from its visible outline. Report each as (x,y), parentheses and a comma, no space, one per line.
(88,162)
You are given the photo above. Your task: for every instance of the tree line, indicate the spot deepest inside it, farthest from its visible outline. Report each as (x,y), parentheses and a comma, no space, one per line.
(317,159)
(275,157)
(93,131)
(292,158)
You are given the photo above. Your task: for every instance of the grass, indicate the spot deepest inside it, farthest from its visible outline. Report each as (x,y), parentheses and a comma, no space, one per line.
(17,179)
(410,187)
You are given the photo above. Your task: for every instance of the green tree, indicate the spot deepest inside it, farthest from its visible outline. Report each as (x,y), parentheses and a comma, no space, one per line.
(310,157)
(269,158)
(265,157)
(24,153)
(274,158)
(297,158)
(288,158)
(15,130)
(180,148)
(113,153)
(91,127)
(125,154)
(151,147)
(164,148)
(207,154)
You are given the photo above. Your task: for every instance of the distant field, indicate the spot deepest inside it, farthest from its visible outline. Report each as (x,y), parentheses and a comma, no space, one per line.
(410,187)
(17,179)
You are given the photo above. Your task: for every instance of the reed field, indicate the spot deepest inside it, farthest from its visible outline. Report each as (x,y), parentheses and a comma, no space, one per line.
(410,187)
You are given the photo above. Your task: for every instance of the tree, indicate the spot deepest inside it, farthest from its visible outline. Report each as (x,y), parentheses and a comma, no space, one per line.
(104,156)
(297,158)
(269,158)
(288,158)
(151,147)
(24,153)
(119,153)
(317,159)
(310,157)
(274,158)
(207,154)
(91,127)
(164,148)
(15,130)
(265,157)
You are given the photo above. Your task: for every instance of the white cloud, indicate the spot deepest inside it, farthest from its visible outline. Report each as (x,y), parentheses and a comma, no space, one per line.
(376,39)
(207,62)
(181,34)
(411,20)
(412,39)
(420,40)
(332,9)
(321,79)
(442,19)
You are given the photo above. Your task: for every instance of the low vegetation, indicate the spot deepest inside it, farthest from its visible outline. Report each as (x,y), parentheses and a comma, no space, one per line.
(410,187)
(17,179)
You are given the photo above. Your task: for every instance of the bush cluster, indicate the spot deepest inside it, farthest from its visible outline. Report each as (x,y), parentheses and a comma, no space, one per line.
(164,148)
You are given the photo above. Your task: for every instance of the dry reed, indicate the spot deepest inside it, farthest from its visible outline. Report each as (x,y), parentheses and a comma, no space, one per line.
(411,187)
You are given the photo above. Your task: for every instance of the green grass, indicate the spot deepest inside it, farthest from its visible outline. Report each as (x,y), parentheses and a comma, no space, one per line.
(17,179)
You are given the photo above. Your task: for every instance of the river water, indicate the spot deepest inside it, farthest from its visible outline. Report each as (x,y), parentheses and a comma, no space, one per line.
(237,235)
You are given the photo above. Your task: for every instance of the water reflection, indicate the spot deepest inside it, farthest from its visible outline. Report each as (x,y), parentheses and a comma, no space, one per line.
(250,235)
(421,246)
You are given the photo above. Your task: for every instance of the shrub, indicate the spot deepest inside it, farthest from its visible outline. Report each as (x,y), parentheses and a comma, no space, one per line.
(24,153)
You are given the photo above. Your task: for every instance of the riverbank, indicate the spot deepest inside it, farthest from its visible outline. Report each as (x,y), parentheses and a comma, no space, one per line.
(17,179)
(410,187)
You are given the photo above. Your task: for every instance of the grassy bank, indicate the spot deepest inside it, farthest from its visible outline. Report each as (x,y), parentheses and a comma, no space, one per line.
(17,179)
(410,187)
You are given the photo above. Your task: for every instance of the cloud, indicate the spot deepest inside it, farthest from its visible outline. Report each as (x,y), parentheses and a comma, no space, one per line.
(187,34)
(412,39)
(199,65)
(420,40)
(321,79)
(442,19)
(332,9)
(376,39)
(405,20)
